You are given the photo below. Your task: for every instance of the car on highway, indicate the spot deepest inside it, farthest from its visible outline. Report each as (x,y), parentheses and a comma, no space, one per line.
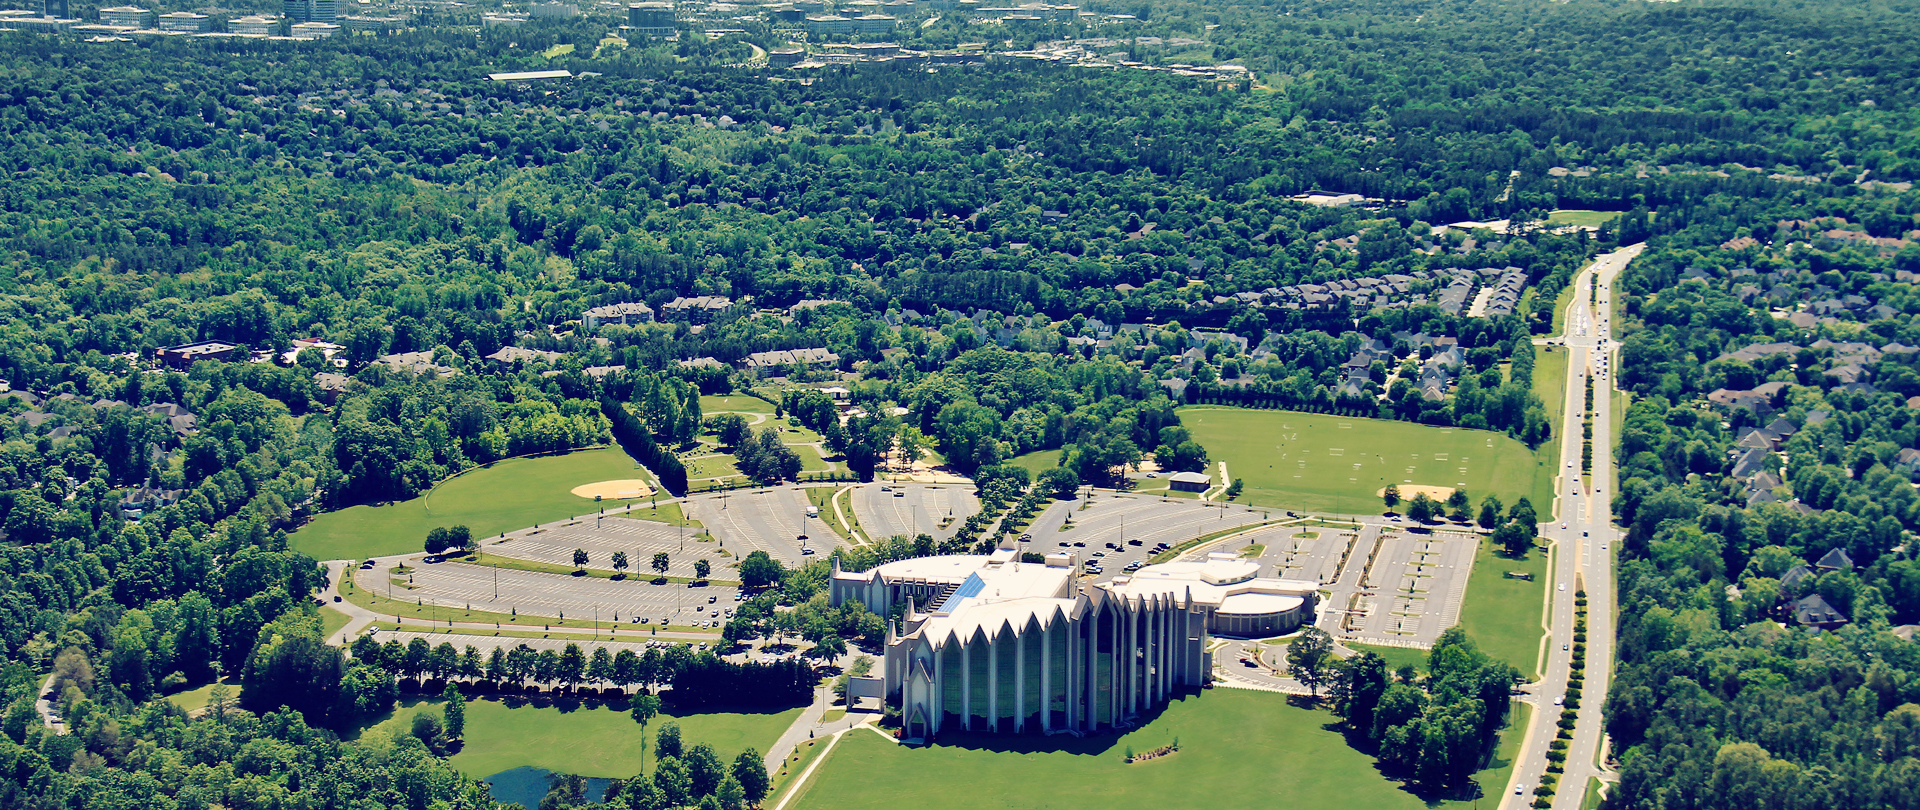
(885,488)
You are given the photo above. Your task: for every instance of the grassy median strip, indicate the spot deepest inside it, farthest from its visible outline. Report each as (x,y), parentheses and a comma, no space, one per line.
(516,564)
(669,513)
(859,535)
(637,632)
(1173,553)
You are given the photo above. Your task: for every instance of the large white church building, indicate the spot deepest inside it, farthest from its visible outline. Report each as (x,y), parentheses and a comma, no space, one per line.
(993,644)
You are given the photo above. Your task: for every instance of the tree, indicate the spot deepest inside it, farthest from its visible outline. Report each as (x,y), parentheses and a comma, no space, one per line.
(580,559)
(702,568)
(668,743)
(660,563)
(704,768)
(644,706)
(437,540)
(759,570)
(620,561)
(1391,496)
(1358,685)
(670,774)
(751,772)
(1490,512)
(1060,482)
(1458,504)
(1514,538)
(1522,513)
(1422,508)
(1307,657)
(456,712)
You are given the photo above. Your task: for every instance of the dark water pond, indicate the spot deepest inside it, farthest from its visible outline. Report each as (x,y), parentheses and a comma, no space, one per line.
(525,786)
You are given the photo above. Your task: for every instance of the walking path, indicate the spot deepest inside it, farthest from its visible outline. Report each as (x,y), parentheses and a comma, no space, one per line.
(809,726)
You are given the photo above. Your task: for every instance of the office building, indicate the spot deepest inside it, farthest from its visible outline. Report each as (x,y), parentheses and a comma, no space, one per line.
(255,26)
(309,10)
(126,17)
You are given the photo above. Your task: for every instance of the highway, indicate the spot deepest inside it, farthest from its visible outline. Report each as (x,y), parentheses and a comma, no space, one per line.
(1583,538)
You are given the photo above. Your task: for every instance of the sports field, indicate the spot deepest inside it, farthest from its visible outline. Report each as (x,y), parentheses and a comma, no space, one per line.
(1503,615)
(1322,463)
(588,742)
(512,494)
(1238,749)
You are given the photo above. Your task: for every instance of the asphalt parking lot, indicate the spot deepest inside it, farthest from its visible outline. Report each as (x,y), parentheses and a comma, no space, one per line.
(885,510)
(1110,526)
(1415,587)
(529,593)
(1294,552)
(601,537)
(769,520)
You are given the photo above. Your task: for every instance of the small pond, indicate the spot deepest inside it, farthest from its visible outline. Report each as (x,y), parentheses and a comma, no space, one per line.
(525,786)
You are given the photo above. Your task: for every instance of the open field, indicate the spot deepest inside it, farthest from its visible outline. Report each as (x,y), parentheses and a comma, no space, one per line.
(511,494)
(1317,462)
(1580,219)
(193,700)
(738,403)
(585,741)
(1037,461)
(1236,748)
(1503,615)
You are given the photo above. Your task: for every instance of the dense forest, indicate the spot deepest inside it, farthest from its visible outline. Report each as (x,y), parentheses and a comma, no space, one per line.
(1002,259)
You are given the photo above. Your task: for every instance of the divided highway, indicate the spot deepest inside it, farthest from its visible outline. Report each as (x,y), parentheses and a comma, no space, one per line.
(1583,538)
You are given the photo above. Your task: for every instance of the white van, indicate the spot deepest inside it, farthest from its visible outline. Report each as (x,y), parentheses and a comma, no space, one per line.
(813,511)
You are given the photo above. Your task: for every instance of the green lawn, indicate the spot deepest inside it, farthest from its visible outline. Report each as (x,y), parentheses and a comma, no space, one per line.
(331,621)
(512,494)
(738,403)
(194,700)
(1550,379)
(1316,462)
(1037,462)
(1580,218)
(1503,615)
(1237,748)
(588,742)
(720,466)
(1396,657)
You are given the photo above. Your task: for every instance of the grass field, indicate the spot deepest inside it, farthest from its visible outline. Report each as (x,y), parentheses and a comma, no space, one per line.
(738,403)
(1237,748)
(1396,657)
(1316,462)
(1037,461)
(1503,615)
(588,742)
(194,700)
(512,494)
(331,621)
(1580,218)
